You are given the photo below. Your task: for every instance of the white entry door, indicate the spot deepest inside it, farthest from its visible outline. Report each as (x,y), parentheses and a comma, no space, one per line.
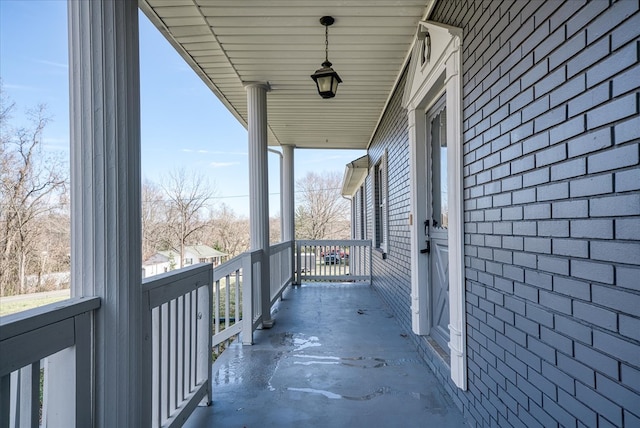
(438,224)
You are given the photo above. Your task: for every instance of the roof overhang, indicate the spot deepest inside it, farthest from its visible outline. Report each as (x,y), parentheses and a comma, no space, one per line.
(230,43)
(354,175)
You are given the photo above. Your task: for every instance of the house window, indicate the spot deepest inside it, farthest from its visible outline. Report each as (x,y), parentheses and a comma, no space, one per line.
(363,218)
(380,200)
(188,261)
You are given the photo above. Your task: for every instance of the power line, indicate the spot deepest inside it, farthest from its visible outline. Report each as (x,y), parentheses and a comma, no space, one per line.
(246,196)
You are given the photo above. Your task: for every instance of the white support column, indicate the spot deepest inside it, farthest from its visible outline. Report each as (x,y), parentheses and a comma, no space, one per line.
(259,189)
(105,198)
(288,194)
(288,201)
(281,192)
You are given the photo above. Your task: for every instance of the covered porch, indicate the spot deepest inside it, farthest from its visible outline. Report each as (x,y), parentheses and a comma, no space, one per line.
(336,357)
(537,112)
(138,353)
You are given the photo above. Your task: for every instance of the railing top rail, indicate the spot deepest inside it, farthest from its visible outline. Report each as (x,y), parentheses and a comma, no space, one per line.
(161,289)
(234,264)
(32,319)
(167,278)
(280,246)
(344,242)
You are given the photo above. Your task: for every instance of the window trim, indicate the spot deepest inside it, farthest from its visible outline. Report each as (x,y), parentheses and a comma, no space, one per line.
(380,203)
(363,212)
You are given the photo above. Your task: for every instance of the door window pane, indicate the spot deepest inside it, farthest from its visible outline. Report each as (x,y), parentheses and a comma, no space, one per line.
(440,208)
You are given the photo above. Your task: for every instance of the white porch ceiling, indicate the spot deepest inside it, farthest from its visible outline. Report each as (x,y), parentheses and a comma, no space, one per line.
(228,42)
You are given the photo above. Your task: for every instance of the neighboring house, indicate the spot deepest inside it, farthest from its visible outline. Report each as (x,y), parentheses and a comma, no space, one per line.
(164,261)
(501,193)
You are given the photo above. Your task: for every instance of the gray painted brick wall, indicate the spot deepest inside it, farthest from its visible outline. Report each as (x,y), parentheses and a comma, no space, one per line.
(551,130)
(391,275)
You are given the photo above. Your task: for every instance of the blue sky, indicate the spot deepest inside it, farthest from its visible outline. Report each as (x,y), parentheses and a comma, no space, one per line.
(183,123)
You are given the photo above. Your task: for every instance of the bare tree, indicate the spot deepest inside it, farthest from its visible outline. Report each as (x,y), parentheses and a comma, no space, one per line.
(188,196)
(228,232)
(274,229)
(155,235)
(52,255)
(321,212)
(31,187)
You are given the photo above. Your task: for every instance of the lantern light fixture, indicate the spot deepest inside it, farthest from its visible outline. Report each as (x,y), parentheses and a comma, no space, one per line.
(326,78)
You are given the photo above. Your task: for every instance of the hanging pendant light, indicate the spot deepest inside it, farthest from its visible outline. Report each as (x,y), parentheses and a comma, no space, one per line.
(326,78)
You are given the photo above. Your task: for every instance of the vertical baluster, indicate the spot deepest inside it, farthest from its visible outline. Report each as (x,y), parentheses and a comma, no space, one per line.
(353,253)
(181,348)
(324,264)
(216,307)
(227,295)
(194,341)
(304,259)
(196,311)
(188,311)
(173,372)
(166,327)
(313,259)
(156,351)
(332,265)
(14,399)
(238,310)
(162,361)
(30,409)
(307,262)
(255,291)
(186,342)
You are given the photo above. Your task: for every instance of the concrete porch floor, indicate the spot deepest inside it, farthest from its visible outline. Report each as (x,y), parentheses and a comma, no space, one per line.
(336,357)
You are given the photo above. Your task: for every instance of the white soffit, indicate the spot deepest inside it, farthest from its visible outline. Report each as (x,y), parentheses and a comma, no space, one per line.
(231,42)
(354,175)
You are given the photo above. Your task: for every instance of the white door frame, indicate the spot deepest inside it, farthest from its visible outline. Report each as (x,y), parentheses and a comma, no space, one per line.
(436,68)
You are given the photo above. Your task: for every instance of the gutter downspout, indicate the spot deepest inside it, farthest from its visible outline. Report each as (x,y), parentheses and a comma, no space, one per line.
(281,193)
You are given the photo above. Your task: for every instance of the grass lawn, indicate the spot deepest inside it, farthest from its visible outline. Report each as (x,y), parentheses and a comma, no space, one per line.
(13,304)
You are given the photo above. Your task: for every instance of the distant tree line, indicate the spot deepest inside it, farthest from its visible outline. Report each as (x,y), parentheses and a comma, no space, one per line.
(176,212)
(34,214)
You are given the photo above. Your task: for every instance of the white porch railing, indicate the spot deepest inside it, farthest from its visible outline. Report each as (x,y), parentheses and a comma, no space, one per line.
(176,350)
(185,314)
(333,260)
(28,337)
(237,291)
(190,311)
(234,282)
(281,258)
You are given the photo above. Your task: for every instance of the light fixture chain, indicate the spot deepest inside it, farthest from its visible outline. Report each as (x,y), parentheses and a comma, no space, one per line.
(326,43)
